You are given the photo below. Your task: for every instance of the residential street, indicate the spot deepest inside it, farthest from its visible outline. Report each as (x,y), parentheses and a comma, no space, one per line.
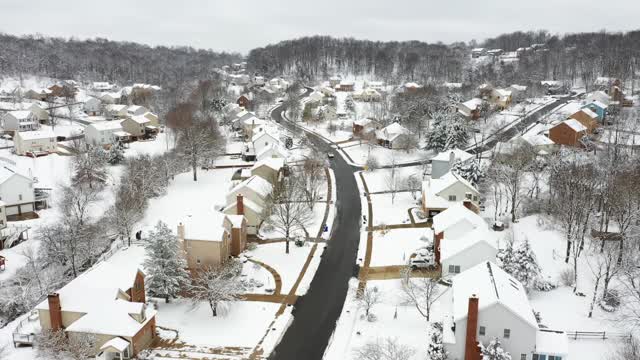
(316,313)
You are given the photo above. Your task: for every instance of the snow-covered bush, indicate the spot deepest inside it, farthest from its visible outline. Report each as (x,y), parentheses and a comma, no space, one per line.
(251,246)
(567,277)
(543,285)
(520,262)
(494,351)
(435,349)
(610,301)
(372,163)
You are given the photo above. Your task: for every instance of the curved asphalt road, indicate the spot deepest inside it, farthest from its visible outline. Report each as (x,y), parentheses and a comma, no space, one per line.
(316,313)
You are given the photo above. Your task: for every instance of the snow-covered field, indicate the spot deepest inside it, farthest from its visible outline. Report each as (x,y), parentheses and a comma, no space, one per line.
(387,211)
(359,153)
(394,247)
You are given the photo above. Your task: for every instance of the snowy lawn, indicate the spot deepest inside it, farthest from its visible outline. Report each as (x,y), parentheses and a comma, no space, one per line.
(287,265)
(395,319)
(396,246)
(387,211)
(259,278)
(377,180)
(158,146)
(241,323)
(385,156)
(342,133)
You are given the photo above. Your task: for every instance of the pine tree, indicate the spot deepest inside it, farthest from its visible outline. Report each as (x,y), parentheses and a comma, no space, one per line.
(521,263)
(471,171)
(116,153)
(449,131)
(494,351)
(436,350)
(165,263)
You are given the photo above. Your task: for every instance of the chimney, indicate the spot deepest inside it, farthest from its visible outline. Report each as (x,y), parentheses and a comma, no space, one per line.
(239,205)
(181,232)
(452,159)
(436,247)
(471,349)
(55,311)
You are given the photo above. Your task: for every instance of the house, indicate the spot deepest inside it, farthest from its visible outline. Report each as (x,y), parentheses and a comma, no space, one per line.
(136,110)
(115,111)
(394,136)
(486,303)
(102,86)
(254,189)
(441,193)
(376,85)
(263,139)
(485,90)
(243,100)
(461,239)
(20,120)
(16,191)
(40,112)
(152,117)
(470,109)
(327,91)
(315,97)
(38,94)
(568,132)
(138,126)
(495,52)
(411,87)
(92,106)
(368,94)
(208,239)
(108,303)
(270,169)
(364,126)
(345,85)
(258,80)
(600,96)
(597,107)
(251,211)
(452,86)
(540,142)
(552,87)
(111,98)
(250,124)
(477,52)
(35,142)
(334,81)
(105,133)
(501,98)
(587,118)
(272,151)
(56,90)
(518,92)
(444,161)
(248,153)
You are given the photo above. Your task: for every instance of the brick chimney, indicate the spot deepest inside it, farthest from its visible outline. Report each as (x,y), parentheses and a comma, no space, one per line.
(239,205)
(471,349)
(55,311)
(436,246)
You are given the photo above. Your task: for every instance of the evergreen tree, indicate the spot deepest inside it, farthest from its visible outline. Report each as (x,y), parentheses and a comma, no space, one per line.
(471,171)
(436,350)
(494,351)
(521,263)
(116,153)
(165,263)
(449,131)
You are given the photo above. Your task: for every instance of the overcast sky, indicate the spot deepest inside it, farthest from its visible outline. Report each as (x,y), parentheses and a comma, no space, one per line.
(241,25)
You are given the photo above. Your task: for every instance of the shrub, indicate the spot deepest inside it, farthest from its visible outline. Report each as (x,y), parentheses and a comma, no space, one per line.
(543,285)
(610,301)
(372,163)
(252,246)
(567,277)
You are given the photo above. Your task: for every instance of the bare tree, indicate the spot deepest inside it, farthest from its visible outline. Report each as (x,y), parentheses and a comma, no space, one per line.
(216,285)
(286,210)
(422,292)
(627,349)
(56,345)
(391,179)
(510,170)
(384,349)
(89,165)
(127,209)
(368,298)
(313,178)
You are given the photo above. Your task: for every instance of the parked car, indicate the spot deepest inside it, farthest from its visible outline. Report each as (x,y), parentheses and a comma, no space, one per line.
(422,263)
(330,155)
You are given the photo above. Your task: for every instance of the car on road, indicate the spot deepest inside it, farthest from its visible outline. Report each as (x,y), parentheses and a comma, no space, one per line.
(330,155)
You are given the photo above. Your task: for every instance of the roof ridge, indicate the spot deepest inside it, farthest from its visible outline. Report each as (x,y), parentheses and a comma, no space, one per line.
(493,280)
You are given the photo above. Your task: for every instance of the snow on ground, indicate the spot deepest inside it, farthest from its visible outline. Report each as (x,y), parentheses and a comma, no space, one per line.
(387,211)
(160,145)
(343,132)
(360,152)
(260,278)
(287,265)
(394,247)
(377,179)
(242,323)
(395,319)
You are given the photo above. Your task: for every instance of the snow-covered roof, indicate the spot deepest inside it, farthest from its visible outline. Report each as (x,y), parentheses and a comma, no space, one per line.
(273,163)
(236,220)
(255,183)
(598,103)
(208,226)
(492,286)
(247,203)
(6,172)
(575,125)
(447,180)
(106,125)
(35,135)
(391,132)
(472,104)
(454,215)
(347,82)
(113,318)
(431,188)
(552,342)
(412,85)
(116,343)
(478,237)
(260,134)
(134,108)
(537,140)
(116,107)
(517,87)
(20,114)
(589,112)
(478,49)
(272,149)
(550,83)
(457,153)
(452,85)
(253,120)
(363,122)
(600,96)
(140,119)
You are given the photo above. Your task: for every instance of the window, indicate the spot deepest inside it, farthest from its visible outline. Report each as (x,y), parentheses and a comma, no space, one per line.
(551,357)
(482,330)
(457,269)
(198,260)
(20,197)
(454,269)
(452,198)
(507,333)
(451,268)
(523,356)
(475,197)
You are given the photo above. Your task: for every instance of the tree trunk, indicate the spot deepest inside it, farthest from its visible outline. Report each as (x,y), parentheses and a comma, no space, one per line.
(595,293)
(568,254)
(194,167)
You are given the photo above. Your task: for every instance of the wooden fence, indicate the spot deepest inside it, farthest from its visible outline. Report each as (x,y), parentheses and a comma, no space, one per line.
(597,335)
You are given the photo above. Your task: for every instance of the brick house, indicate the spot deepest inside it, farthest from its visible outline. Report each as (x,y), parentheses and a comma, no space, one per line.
(108,303)
(568,132)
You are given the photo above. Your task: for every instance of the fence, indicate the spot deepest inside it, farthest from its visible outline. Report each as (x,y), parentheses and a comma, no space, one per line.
(597,335)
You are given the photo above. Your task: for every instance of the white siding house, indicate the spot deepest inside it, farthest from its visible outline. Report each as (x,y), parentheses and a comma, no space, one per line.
(103,133)
(92,106)
(20,120)
(34,142)
(444,161)
(16,191)
(440,194)
(264,140)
